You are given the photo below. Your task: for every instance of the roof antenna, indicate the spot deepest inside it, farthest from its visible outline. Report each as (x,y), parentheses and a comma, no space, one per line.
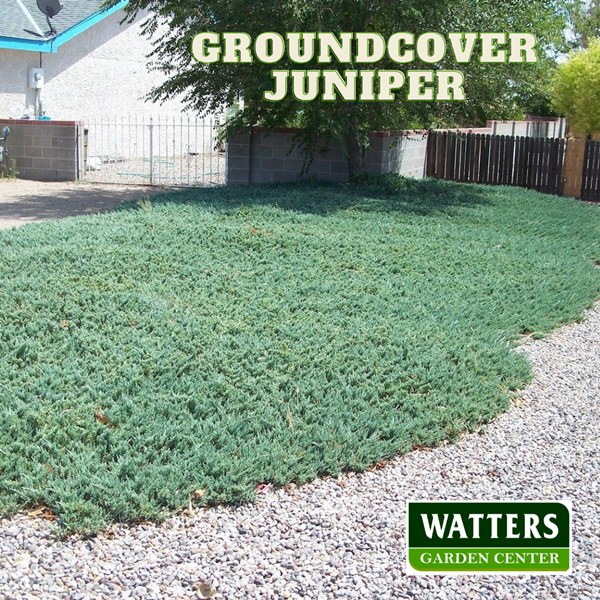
(50,8)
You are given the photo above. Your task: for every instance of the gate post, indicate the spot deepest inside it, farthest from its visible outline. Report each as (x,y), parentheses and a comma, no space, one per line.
(80,149)
(573,170)
(151,126)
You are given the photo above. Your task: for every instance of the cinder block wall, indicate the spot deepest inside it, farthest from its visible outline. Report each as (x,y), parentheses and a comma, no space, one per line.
(546,128)
(401,152)
(45,150)
(262,156)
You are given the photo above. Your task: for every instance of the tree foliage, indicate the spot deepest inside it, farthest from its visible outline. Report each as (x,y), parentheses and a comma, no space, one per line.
(576,89)
(492,90)
(584,16)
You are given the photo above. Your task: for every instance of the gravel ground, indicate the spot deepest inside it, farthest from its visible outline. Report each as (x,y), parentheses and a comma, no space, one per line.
(200,169)
(345,537)
(23,201)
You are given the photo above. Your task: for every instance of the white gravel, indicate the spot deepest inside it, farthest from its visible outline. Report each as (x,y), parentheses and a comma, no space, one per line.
(345,537)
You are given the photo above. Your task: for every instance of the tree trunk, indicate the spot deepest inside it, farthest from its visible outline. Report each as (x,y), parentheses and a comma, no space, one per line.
(355,154)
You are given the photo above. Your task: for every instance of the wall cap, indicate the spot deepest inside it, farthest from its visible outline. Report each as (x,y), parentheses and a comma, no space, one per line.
(295,130)
(39,123)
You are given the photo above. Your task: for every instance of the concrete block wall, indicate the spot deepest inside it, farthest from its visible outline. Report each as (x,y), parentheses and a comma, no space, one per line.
(401,152)
(45,150)
(261,156)
(546,128)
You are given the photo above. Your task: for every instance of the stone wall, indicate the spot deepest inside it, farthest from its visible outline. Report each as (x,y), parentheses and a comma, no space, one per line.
(259,157)
(45,150)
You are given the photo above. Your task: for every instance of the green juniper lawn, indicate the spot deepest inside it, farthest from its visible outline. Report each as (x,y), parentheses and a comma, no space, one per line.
(217,339)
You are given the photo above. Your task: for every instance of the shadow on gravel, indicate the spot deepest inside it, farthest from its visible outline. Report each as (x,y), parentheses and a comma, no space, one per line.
(31,201)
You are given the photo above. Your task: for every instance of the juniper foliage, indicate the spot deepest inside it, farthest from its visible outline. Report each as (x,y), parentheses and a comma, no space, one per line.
(217,339)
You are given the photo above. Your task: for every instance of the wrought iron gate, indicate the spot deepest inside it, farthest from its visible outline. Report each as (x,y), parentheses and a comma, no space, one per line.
(180,150)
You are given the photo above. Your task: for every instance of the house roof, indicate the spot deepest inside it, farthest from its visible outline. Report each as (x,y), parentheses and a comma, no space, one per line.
(24,27)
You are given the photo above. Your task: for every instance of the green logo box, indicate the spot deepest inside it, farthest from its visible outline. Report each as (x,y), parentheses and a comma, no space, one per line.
(509,537)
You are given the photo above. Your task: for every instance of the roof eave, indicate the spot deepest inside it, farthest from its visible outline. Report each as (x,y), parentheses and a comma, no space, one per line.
(51,45)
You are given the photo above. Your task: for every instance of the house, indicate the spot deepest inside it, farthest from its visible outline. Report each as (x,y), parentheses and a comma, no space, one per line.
(94,65)
(72,92)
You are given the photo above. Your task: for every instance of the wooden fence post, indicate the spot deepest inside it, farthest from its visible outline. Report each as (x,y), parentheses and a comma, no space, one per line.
(573,170)
(430,159)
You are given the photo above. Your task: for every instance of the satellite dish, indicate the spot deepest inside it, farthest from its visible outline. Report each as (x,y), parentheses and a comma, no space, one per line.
(50,8)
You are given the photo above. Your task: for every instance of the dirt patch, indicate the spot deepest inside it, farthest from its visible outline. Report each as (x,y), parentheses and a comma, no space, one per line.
(33,201)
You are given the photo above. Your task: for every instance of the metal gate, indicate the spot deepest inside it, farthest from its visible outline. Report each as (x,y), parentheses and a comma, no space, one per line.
(180,150)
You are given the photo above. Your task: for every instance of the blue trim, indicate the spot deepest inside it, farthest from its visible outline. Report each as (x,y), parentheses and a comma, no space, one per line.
(52,45)
(18,44)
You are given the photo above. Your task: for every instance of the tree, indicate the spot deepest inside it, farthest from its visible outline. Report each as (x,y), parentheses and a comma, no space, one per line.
(492,90)
(584,16)
(576,89)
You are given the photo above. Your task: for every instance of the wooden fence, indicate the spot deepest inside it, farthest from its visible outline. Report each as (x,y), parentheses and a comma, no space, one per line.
(590,186)
(549,165)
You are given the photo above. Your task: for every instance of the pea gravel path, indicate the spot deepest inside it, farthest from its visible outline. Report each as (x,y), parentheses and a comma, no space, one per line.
(345,537)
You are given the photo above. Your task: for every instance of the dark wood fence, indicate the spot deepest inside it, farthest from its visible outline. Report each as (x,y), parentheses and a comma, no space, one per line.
(531,162)
(590,185)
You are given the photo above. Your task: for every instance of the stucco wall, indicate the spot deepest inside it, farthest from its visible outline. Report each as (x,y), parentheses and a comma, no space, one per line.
(101,72)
